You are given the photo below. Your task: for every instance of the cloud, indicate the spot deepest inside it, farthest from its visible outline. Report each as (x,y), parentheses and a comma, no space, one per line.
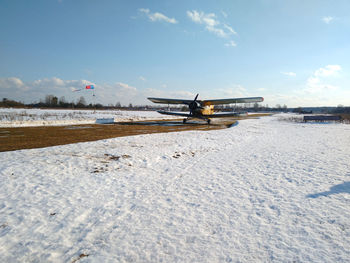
(232,90)
(217,31)
(290,74)
(327,19)
(177,94)
(142,78)
(231,44)
(52,85)
(230,29)
(182,94)
(202,18)
(125,87)
(157,16)
(33,91)
(328,71)
(11,83)
(56,82)
(318,81)
(105,93)
(315,85)
(211,23)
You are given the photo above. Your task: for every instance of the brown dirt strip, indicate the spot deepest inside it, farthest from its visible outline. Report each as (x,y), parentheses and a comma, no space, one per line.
(44,136)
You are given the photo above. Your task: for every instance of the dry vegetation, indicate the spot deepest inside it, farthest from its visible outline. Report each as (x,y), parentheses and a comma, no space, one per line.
(345,117)
(293,118)
(300,118)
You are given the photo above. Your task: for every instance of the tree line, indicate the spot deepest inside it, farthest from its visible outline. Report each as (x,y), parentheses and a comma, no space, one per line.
(52,101)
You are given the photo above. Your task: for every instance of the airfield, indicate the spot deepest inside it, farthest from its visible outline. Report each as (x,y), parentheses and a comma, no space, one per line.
(268,189)
(44,136)
(17,138)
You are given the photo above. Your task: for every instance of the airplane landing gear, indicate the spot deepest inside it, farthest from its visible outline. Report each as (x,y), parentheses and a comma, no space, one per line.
(208,121)
(184,120)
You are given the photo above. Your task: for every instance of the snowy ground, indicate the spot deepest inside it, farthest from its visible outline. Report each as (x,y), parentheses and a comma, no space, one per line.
(263,191)
(12,117)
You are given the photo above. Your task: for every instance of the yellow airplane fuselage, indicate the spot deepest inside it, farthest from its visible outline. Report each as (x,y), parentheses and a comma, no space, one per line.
(207,110)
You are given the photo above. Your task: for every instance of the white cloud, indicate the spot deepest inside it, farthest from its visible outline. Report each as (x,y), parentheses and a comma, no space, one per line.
(230,29)
(157,16)
(11,83)
(290,74)
(231,44)
(314,85)
(322,88)
(33,91)
(162,93)
(211,23)
(144,10)
(49,82)
(142,78)
(202,18)
(182,94)
(231,91)
(327,19)
(125,87)
(217,31)
(318,81)
(328,71)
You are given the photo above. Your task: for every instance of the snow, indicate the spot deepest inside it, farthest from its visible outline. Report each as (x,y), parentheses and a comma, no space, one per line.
(13,117)
(266,190)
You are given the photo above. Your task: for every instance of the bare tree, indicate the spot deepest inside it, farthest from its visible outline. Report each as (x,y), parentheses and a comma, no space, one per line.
(48,99)
(62,101)
(81,102)
(51,100)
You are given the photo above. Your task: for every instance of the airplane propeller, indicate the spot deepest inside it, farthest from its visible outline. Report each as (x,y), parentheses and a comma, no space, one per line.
(193,105)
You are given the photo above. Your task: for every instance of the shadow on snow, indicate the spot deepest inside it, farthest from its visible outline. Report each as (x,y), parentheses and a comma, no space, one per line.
(337,189)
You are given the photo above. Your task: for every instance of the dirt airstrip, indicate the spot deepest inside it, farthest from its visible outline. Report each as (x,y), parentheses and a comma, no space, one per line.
(44,136)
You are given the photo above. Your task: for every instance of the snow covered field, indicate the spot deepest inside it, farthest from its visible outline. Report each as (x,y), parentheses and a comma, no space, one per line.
(265,190)
(12,117)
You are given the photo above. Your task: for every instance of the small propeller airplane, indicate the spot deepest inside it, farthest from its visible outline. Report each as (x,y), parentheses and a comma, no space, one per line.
(203,109)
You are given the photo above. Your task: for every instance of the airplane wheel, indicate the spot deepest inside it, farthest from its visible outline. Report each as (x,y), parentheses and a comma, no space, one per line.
(208,121)
(184,121)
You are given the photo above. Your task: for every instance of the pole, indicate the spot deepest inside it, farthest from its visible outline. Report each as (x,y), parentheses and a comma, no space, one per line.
(93,100)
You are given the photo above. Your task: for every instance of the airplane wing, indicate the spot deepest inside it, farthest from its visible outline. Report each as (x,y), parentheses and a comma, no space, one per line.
(216,115)
(169,101)
(233,100)
(222,115)
(174,113)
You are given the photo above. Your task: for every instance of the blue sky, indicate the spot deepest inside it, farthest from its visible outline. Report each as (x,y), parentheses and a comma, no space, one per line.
(290,52)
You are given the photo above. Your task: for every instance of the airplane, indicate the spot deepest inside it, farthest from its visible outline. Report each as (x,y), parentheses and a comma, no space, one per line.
(203,109)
